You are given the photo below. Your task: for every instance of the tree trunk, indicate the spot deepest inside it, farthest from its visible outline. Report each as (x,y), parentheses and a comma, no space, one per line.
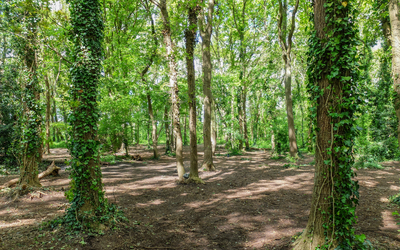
(154,127)
(170,47)
(334,194)
(240,116)
(85,77)
(190,37)
(167,132)
(185,142)
(289,109)
(206,32)
(246,137)
(285,40)
(214,132)
(48,108)
(32,148)
(395,42)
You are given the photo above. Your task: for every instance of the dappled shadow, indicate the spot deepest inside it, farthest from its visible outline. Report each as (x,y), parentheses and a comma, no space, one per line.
(250,202)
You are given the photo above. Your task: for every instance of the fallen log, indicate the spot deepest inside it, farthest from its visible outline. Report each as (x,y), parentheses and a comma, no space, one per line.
(51,170)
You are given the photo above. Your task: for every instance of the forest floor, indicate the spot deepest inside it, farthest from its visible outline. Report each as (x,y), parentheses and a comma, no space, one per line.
(251,202)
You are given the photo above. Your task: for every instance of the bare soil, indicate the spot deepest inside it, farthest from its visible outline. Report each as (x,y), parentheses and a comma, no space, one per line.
(250,202)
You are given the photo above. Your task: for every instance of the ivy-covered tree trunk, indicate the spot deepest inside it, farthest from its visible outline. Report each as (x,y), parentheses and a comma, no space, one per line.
(332,74)
(87,37)
(31,117)
(206,32)
(173,79)
(190,37)
(394,15)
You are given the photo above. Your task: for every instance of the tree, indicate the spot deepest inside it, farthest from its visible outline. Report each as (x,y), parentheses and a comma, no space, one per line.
(332,77)
(173,79)
(87,36)
(206,27)
(285,39)
(26,48)
(394,37)
(190,37)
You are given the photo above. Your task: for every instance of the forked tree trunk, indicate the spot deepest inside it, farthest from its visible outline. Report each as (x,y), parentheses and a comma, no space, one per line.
(206,32)
(173,79)
(394,15)
(285,40)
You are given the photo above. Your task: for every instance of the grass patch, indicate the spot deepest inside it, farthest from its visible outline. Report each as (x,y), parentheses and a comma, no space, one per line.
(61,144)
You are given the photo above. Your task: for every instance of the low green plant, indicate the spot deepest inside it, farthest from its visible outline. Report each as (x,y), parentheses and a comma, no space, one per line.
(369,162)
(61,144)
(108,158)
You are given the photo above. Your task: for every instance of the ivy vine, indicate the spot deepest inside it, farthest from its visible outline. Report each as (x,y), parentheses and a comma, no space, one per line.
(333,57)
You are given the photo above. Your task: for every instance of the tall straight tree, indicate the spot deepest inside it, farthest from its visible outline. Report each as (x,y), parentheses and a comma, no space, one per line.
(190,37)
(285,40)
(32,119)
(394,37)
(87,37)
(173,81)
(142,75)
(332,78)
(206,26)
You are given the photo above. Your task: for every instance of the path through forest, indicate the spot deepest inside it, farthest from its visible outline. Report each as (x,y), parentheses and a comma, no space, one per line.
(250,202)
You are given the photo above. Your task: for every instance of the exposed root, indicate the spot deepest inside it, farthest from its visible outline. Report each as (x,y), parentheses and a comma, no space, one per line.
(196,180)
(208,166)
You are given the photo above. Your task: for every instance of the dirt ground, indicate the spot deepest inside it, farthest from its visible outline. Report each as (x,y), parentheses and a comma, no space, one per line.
(250,202)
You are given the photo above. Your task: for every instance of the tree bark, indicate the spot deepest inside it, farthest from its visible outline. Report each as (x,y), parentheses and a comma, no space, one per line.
(85,77)
(167,132)
(246,137)
(154,127)
(32,148)
(214,132)
(330,136)
(173,79)
(48,108)
(394,15)
(206,32)
(190,37)
(285,40)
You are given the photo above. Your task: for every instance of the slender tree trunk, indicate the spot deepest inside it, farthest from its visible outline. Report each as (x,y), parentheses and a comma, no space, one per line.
(289,108)
(394,13)
(285,40)
(137,128)
(185,142)
(246,137)
(154,127)
(214,132)
(167,132)
(232,118)
(48,108)
(173,79)
(206,32)
(240,116)
(190,35)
